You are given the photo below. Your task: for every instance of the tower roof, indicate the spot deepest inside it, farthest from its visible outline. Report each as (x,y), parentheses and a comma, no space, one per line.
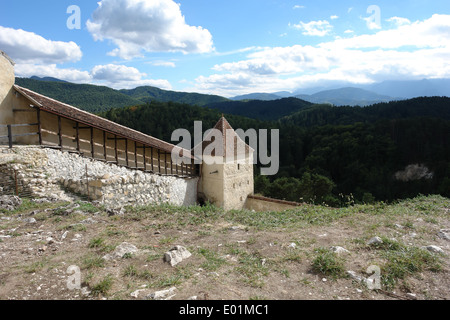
(231,145)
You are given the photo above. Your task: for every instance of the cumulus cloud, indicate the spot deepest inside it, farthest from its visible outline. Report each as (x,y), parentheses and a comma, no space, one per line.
(399,21)
(137,26)
(407,51)
(27,70)
(318,28)
(123,77)
(116,73)
(28,47)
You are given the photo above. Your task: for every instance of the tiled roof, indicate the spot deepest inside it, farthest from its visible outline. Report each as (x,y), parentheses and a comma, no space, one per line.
(228,134)
(67,111)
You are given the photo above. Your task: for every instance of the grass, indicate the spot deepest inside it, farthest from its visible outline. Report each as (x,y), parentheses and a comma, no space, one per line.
(102,287)
(403,261)
(328,263)
(92,261)
(213,261)
(96,243)
(252,268)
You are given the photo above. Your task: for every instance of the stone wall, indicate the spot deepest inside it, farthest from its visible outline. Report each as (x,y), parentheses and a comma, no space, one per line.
(63,175)
(263,204)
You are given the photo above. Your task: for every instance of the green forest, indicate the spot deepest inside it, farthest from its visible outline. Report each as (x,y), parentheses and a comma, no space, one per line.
(331,155)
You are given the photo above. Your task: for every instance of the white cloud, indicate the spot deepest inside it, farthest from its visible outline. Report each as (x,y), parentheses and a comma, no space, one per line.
(113,76)
(408,51)
(116,73)
(399,21)
(349,31)
(27,70)
(137,26)
(314,28)
(168,64)
(334,17)
(298,7)
(28,47)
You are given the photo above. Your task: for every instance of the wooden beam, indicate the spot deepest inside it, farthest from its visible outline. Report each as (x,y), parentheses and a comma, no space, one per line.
(22,110)
(59,132)
(115,149)
(104,146)
(153,168)
(92,143)
(39,125)
(126,151)
(159,161)
(135,154)
(145,159)
(77,127)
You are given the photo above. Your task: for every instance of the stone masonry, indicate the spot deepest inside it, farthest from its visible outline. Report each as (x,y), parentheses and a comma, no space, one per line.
(62,175)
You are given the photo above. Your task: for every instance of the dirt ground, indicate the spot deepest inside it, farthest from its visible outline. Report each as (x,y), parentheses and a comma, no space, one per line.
(232,257)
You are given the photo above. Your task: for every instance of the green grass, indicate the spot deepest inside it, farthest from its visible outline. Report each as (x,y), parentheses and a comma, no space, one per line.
(213,261)
(103,286)
(252,269)
(328,263)
(403,261)
(96,243)
(92,261)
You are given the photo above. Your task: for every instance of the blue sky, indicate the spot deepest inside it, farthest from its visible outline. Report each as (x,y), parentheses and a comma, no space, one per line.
(228,47)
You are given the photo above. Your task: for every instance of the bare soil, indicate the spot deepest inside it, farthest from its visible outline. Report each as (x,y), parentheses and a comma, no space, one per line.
(230,260)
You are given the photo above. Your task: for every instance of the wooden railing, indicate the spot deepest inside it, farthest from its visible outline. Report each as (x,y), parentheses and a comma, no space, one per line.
(10,135)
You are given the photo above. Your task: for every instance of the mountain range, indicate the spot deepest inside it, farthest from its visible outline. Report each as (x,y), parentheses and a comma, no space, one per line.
(95,98)
(346,94)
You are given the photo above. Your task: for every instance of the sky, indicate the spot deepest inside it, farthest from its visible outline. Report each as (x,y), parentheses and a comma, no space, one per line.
(227,47)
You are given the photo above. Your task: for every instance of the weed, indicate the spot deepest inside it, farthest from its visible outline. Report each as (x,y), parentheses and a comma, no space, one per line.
(328,263)
(103,286)
(93,261)
(96,243)
(213,261)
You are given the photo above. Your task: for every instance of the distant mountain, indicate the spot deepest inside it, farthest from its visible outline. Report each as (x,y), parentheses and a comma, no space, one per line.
(147,94)
(51,79)
(257,96)
(262,110)
(346,97)
(412,89)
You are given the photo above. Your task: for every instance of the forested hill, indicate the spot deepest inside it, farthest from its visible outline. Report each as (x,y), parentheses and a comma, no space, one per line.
(263,110)
(147,94)
(84,96)
(350,155)
(97,99)
(320,115)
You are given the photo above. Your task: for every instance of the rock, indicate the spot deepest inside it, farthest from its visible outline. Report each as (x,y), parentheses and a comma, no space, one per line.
(192,298)
(30,220)
(375,240)
(432,248)
(135,294)
(339,250)
(121,250)
(412,295)
(88,221)
(116,212)
(354,276)
(162,295)
(292,245)
(176,255)
(444,234)
(9,203)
